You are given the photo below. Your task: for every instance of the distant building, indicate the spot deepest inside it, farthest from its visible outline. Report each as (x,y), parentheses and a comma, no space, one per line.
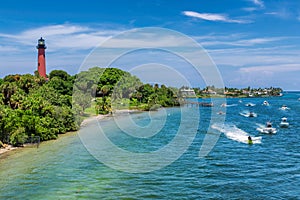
(187,92)
(209,91)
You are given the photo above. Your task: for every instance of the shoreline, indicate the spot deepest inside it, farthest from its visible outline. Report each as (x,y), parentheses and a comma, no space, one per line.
(7,149)
(4,152)
(116,113)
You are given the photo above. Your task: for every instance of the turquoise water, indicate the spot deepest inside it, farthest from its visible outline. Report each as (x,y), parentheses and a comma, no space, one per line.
(270,169)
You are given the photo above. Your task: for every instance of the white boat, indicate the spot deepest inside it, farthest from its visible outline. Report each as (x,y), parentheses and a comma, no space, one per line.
(284,123)
(284,107)
(265,103)
(223,105)
(268,129)
(248,114)
(252,114)
(221,113)
(249,104)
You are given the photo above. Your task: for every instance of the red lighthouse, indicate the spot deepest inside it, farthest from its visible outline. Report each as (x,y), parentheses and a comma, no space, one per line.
(41,57)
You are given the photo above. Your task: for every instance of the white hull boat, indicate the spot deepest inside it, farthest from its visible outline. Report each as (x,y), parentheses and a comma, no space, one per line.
(265,103)
(284,123)
(284,107)
(249,104)
(268,129)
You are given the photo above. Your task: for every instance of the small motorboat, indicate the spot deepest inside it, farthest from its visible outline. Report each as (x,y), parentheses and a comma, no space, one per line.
(284,107)
(249,104)
(221,113)
(265,103)
(268,129)
(252,114)
(284,123)
(248,114)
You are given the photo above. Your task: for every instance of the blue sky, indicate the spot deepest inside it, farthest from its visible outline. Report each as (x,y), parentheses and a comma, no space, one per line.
(252,42)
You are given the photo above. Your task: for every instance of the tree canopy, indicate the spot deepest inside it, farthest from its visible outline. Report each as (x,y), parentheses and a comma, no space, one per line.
(32,106)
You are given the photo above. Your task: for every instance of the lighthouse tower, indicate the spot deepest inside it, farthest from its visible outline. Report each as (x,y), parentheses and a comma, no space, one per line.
(41,57)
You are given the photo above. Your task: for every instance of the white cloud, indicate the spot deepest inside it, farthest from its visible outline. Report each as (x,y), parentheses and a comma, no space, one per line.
(68,45)
(7,48)
(213,17)
(266,56)
(272,68)
(272,13)
(259,3)
(282,12)
(255,41)
(79,38)
(250,9)
(69,36)
(235,40)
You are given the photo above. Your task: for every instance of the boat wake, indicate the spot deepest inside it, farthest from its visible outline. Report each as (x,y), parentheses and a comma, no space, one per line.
(231,105)
(250,104)
(226,105)
(234,133)
(248,114)
(262,129)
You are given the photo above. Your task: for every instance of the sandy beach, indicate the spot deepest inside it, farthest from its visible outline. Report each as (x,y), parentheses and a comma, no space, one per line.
(115,113)
(6,149)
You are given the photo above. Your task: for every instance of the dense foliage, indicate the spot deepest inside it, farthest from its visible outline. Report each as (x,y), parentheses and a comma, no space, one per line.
(32,106)
(113,89)
(154,97)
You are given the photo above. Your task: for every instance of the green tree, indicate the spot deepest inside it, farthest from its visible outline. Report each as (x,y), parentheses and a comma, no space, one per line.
(18,137)
(59,74)
(103,105)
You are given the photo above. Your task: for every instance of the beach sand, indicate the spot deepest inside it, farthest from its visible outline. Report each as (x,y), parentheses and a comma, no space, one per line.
(115,113)
(6,149)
